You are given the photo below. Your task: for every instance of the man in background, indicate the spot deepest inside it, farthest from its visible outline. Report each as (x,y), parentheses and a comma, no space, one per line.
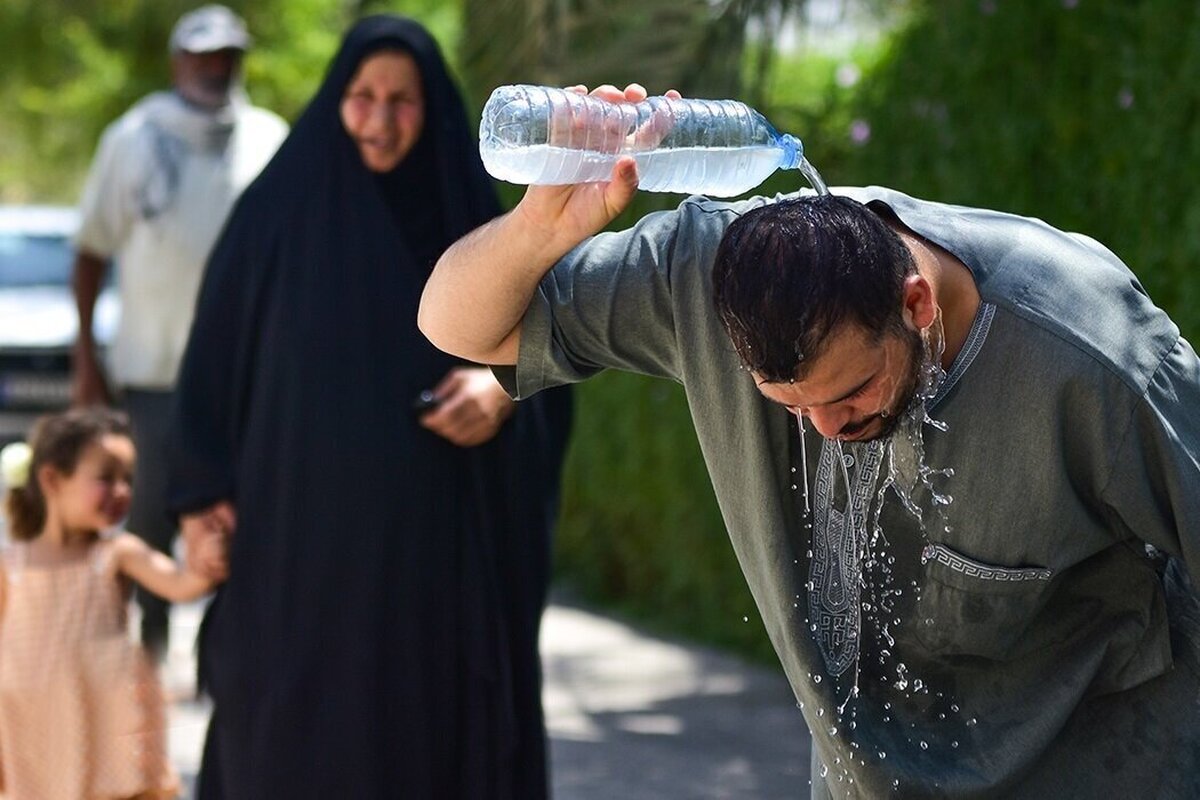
(163,180)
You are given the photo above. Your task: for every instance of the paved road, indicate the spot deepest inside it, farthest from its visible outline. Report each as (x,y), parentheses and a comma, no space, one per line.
(629,716)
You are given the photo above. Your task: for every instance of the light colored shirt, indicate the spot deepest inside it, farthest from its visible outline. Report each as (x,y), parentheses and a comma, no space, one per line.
(1021,640)
(163,180)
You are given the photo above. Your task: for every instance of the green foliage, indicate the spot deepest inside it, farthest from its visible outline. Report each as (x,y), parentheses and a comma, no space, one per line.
(73,66)
(640,529)
(1081,113)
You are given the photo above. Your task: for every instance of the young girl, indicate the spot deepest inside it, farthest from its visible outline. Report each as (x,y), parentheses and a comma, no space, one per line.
(81,711)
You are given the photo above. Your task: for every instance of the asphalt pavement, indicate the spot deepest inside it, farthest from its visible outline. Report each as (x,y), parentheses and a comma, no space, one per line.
(630,716)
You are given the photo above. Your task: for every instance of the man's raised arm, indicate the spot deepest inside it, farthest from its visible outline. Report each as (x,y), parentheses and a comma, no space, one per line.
(477,295)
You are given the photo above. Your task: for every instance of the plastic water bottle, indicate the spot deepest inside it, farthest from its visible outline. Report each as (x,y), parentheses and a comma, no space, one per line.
(543,135)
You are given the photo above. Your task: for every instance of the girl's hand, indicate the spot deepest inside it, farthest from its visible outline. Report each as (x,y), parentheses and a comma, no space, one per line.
(206,537)
(473,407)
(212,548)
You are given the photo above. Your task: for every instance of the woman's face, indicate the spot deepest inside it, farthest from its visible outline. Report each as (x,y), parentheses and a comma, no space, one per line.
(383,109)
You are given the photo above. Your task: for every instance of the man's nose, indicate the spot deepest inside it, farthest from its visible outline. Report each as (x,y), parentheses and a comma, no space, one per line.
(828,420)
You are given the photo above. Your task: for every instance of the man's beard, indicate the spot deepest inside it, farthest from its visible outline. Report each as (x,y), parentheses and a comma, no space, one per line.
(210,92)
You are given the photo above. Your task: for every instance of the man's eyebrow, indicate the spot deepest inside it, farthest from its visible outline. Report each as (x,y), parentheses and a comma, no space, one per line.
(850,393)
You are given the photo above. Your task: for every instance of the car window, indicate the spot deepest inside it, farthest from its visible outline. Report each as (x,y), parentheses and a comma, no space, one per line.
(35,260)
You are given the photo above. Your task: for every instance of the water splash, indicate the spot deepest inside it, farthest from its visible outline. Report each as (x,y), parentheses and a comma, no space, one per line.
(869,567)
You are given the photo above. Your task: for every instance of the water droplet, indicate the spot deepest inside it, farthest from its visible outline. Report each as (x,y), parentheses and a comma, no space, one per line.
(954,744)
(971,722)
(833,731)
(954,707)
(882,754)
(745,619)
(820,712)
(824,771)
(816,678)
(924,745)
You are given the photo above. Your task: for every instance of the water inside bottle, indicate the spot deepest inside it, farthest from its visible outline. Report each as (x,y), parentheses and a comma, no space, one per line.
(715,171)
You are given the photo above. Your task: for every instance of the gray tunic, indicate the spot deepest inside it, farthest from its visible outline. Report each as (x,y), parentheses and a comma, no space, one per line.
(1017,640)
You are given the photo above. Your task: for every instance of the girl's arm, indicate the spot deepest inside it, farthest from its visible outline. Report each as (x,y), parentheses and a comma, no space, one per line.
(156,572)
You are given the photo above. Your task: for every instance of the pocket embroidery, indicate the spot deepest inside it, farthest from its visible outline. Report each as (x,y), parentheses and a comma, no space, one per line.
(974,569)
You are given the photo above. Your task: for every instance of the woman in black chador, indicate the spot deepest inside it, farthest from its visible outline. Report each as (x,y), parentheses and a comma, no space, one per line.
(377,636)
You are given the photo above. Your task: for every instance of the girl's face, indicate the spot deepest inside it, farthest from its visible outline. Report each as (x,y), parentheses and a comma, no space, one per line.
(383,109)
(96,495)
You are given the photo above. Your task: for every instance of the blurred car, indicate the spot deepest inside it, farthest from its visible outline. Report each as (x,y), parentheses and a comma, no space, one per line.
(38,319)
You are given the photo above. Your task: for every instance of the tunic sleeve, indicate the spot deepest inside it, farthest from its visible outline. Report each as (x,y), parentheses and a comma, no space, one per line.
(620,300)
(1154,488)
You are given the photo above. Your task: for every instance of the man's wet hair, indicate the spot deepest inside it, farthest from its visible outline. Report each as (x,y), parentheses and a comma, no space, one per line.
(788,274)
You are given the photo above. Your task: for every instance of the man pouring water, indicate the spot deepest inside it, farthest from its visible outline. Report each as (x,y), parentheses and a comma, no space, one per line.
(957,452)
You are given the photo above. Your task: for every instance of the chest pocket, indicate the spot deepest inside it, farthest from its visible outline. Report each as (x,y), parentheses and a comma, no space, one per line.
(969,608)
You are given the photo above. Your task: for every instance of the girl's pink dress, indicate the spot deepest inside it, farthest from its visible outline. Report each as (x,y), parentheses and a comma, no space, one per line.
(82,714)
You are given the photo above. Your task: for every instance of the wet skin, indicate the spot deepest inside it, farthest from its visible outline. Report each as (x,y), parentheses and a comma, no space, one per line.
(858,388)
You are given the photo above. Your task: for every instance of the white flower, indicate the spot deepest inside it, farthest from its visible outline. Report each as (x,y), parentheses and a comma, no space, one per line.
(14,464)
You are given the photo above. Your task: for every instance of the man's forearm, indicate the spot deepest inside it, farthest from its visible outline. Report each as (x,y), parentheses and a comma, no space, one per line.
(474,301)
(477,295)
(86,278)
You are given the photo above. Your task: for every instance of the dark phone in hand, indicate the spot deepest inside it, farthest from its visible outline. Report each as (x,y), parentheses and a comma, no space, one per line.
(426,401)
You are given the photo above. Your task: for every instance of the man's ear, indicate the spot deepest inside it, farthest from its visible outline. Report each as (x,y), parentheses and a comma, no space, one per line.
(920,308)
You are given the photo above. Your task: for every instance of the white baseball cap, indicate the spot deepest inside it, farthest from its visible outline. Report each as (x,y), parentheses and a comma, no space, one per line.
(208,29)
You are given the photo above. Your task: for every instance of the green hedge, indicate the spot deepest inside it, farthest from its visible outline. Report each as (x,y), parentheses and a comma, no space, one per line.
(1085,114)
(640,530)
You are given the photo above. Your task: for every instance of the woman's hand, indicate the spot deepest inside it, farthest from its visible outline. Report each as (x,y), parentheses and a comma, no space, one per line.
(206,536)
(472,407)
